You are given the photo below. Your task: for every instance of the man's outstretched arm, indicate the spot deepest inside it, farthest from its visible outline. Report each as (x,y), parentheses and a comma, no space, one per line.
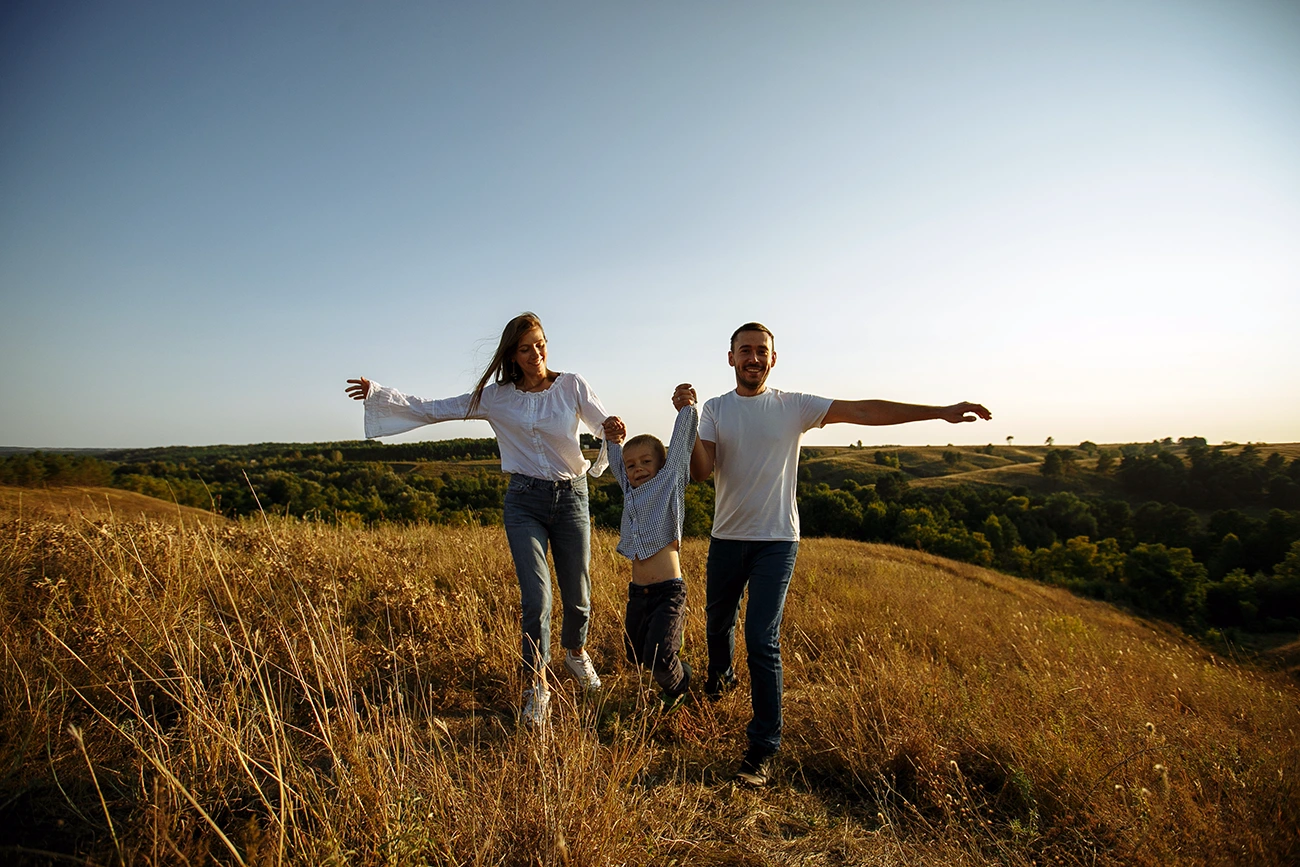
(881,412)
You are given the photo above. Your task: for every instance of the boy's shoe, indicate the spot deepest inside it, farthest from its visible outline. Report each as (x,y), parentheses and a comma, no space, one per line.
(582,670)
(715,687)
(670,701)
(756,767)
(537,701)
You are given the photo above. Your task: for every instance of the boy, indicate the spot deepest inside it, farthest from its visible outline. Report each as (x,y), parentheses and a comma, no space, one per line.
(654,481)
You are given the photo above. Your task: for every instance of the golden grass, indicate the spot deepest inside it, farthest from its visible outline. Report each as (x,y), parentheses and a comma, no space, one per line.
(1007,477)
(94,504)
(1290,451)
(294,693)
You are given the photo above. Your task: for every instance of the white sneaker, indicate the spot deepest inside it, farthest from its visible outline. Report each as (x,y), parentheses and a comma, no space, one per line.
(583,671)
(537,702)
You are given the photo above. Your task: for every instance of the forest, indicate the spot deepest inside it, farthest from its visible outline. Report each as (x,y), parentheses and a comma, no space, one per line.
(1206,537)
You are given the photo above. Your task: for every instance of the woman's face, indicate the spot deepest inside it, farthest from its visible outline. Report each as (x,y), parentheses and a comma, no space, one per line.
(530,353)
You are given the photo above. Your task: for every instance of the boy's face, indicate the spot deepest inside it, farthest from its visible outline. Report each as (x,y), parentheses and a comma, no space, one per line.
(640,463)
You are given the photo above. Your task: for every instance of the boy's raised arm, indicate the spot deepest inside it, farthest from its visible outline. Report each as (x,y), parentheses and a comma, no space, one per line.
(615,432)
(616,463)
(703,452)
(683,440)
(685,447)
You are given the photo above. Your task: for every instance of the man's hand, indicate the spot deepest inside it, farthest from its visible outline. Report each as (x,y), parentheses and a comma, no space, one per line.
(615,430)
(684,396)
(960,412)
(359,388)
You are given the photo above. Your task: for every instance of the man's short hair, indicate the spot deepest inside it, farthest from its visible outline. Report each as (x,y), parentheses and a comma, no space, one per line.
(752,326)
(649,441)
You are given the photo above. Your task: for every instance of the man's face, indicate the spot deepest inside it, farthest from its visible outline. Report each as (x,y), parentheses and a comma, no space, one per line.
(753,357)
(641,463)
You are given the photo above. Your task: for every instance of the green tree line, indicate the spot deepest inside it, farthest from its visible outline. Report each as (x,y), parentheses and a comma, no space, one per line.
(1212,478)
(1228,569)
(33,469)
(1237,566)
(327,481)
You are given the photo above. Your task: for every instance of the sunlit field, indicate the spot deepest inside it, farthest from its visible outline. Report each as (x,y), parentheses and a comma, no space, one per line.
(178,691)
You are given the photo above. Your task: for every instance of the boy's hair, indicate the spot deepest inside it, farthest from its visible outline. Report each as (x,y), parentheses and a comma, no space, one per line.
(649,441)
(752,326)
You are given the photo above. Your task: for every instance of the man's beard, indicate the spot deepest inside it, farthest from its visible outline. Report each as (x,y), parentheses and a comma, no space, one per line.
(744,374)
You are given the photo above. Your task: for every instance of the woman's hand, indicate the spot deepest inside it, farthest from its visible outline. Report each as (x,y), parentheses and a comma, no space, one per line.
(359,388)
(684,396)
(615,430)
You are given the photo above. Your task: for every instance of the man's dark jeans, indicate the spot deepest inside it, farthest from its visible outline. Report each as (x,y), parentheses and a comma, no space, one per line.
(656,618)
(766,568)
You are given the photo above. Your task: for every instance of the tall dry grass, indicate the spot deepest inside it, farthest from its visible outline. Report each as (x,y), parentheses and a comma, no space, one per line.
(289,693)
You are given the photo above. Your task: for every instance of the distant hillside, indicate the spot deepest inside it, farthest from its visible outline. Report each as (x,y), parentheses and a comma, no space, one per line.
(303,693)
(94,504)
(1206,537)
(993,466)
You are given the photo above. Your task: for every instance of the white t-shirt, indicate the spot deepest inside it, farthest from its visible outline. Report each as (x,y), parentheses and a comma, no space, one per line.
(537,432)
(757,461)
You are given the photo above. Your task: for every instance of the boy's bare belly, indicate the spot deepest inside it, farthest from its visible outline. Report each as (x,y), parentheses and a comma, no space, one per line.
(664,565)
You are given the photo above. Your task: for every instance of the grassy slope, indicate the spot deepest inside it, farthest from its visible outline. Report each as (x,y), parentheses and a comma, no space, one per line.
(318,691)
(94,504)
(1028,476)
(925,468)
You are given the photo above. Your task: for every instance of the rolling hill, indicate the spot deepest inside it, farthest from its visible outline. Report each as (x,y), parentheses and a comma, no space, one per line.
(94,504)
(304,693)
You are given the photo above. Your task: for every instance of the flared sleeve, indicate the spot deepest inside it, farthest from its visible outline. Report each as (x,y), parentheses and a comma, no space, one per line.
(390,412)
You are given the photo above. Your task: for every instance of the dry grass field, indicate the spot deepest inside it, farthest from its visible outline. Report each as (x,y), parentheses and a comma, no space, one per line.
(94,504)
(294,693)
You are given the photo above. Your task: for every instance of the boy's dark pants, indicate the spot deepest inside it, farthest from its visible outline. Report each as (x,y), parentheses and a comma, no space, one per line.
(656,618)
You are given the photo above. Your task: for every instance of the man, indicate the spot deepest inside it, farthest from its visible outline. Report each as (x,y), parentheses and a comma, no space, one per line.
(750,437)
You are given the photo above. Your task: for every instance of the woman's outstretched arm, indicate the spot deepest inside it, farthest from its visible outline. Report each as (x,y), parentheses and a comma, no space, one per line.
(389,411)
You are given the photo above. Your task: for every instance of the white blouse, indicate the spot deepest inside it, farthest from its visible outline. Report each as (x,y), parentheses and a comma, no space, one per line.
(537,432)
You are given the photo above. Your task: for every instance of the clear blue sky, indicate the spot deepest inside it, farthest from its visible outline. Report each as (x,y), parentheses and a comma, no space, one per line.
(1085,215)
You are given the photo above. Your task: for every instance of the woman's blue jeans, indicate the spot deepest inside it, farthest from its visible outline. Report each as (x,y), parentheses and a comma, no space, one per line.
(541,514)
(765,567)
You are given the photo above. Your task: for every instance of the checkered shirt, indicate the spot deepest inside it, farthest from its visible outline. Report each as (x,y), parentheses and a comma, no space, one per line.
(653,511)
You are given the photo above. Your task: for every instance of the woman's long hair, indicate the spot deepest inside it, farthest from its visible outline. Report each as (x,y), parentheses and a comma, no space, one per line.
(503,364)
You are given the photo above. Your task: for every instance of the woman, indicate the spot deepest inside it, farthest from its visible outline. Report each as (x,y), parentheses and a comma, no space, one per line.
(534,412)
